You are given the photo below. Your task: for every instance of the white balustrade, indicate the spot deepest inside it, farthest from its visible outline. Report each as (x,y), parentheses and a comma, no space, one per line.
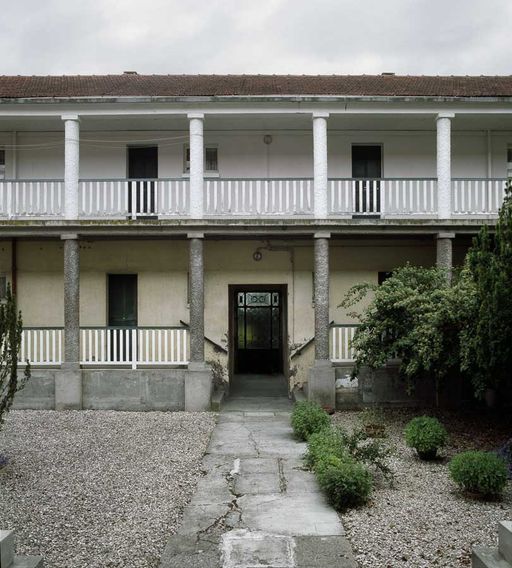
(121,198)
(134,346)
(383,197)
(472,197)
(258,197)
(31,198)
(341,349)
(41,346)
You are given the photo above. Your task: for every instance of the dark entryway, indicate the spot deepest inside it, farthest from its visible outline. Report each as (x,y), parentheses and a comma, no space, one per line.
(142,165)
(122,313)
(258,329)
(367,170)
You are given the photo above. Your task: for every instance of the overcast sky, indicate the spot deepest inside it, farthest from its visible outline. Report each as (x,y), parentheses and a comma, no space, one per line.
(256,36)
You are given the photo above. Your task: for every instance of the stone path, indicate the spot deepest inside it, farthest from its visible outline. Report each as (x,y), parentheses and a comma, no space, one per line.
(256,506)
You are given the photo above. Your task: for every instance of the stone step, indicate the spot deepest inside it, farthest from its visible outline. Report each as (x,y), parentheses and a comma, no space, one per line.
(487,557)
(9,560)
(505,540)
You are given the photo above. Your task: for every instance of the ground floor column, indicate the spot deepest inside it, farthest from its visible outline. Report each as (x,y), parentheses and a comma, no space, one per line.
(198,382)
(321,380)
(68,383)
(444,253)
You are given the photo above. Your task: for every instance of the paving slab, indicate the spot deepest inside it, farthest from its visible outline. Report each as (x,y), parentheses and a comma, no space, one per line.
(256,505)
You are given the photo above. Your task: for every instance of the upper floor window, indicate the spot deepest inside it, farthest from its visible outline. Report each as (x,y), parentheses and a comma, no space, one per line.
(211,161)
(3,287)
(2,163)
(509,161)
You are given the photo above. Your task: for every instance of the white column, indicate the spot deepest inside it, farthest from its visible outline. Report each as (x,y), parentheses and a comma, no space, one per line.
(444,168)
(71,164)
(196,164)
(320,163)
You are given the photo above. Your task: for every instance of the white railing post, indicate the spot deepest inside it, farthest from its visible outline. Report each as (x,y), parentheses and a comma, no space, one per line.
(320,167)
(134,348)
(196,121)
(71,164)
(133,199)
(444,175)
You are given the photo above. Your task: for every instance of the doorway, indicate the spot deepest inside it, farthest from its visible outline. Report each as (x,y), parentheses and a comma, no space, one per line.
(122,314)
(367,171)
(258,329)
(142,165)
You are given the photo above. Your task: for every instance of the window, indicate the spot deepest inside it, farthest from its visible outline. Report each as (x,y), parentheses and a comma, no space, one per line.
(382,276)
(211,163)
(509,161)
(2,163)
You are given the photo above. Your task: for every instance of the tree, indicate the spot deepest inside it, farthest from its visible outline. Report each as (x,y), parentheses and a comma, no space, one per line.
(10,342)
(486,342)
(415,316)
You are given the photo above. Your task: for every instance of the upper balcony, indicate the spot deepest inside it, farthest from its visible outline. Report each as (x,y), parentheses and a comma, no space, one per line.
(269,164)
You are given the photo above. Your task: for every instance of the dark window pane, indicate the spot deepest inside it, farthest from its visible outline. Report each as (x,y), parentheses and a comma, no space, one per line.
(258,328)
(276,335)
(211,164)
(257,299)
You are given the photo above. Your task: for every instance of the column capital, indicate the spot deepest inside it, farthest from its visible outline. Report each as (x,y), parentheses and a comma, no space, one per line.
(320,114)
(445,115)
(322,235)
(74,117)
(192,115)
(195,235)
(69,237)
(445,236)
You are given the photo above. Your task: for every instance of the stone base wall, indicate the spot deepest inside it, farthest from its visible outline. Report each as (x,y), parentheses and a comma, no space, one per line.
(110,389)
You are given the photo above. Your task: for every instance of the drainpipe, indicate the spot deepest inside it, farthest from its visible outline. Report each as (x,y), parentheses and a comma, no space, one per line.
(14,266)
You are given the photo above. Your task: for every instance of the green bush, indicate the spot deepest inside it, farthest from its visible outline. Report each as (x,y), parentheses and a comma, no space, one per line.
(426,435)
(479,472)
(307,418)
(329,441)
(346,482)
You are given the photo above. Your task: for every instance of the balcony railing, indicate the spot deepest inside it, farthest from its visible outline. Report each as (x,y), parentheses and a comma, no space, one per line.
(340,343)
(383,197)
(249,198)
(100,346)
(258,197)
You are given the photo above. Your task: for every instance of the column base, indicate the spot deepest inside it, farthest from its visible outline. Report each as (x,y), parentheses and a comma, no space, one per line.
(198,387)
(321,384)
(68,387)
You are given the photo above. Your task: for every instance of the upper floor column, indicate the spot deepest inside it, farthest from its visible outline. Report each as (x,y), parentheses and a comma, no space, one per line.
(71,164)
(196,127)
(444,168)
(320,164)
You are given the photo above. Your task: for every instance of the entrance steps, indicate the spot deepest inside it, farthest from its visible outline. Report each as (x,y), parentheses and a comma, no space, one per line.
(486,557)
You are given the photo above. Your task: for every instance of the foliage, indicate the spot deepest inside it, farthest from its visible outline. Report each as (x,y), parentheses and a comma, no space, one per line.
(10,342)
(346,482)
(373,422)
(357,445)
(486,341)
(479,472)
(219,374)
(415,315)
(426,435)
(307,418)
(505,453)
(328,441)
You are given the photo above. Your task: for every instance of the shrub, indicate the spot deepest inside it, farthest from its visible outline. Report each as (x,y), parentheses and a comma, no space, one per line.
(484,473)
(426,435)
(346,482)
(329,441)
(369,450)
(308,417)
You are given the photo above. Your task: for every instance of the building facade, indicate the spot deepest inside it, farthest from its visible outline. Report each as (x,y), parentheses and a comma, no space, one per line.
(164,233)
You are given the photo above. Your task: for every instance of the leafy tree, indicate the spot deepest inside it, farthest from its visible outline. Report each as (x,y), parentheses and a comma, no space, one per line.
(415,316)
(486,342)
(10,342)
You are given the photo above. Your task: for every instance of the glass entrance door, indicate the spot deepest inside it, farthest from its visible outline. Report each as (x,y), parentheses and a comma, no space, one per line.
(258,331)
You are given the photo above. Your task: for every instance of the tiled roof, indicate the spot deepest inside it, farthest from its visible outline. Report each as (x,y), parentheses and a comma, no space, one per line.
(129,84)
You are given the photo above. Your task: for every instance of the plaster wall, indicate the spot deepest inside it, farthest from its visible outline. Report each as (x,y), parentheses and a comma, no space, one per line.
(243,153)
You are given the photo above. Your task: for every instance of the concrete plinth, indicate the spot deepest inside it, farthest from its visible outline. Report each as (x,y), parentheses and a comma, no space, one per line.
(68,388)
(198,387)
(321,385)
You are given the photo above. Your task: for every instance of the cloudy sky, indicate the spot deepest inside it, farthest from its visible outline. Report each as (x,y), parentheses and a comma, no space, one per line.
(256,36)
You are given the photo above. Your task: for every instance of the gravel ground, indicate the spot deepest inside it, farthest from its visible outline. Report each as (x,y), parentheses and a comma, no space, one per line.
(99,488)
(423,520)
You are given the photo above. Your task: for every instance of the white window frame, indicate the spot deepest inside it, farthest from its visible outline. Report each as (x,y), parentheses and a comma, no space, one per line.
(186,163)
